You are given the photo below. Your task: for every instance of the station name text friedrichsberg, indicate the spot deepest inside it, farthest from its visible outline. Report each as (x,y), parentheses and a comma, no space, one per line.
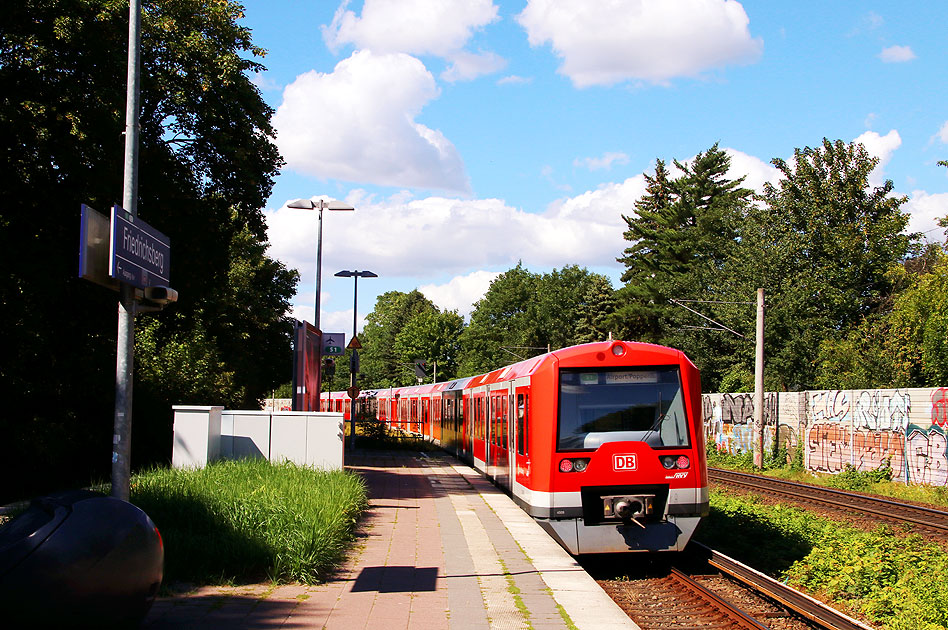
(144,250)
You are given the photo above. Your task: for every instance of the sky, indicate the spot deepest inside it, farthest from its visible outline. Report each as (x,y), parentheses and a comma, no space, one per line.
(470,135)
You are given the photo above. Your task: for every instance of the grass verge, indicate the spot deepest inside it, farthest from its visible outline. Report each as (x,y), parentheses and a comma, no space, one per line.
(892,580)
(242,521)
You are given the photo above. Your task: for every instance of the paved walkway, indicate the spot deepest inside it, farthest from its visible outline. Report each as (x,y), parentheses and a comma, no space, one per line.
(440,548)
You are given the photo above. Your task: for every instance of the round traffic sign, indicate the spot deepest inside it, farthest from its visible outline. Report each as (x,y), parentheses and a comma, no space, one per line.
(353,392)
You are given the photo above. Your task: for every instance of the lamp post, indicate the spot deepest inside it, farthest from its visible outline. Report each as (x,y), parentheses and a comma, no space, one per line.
(320,205)
(354,360)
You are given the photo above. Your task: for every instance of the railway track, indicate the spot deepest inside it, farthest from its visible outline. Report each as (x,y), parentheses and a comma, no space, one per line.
(737,597)
(887,510)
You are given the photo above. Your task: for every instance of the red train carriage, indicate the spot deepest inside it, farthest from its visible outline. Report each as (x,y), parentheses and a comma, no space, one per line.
(601,443)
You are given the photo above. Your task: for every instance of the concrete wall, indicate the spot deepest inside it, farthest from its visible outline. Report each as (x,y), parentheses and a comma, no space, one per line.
(204,434)
(862,428)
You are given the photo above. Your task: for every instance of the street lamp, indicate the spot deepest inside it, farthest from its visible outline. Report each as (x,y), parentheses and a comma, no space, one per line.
(319,204)
(354,361)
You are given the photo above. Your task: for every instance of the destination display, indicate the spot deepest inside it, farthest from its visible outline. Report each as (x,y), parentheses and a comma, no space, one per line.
(140,255)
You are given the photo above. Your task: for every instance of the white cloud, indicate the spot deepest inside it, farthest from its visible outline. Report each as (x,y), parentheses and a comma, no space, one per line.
(357,124)
(513,79)
(881,147)
(942,133)
(419,27)
(604,162)
(431,236)
(436,237)
(754,170)
(650,40)
(925,210)
(460,292)
(437,27)
(897,54)
(466,66)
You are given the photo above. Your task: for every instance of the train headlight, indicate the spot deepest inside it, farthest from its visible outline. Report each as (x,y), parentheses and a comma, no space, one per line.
(618,349)
(574,465)
(671,462)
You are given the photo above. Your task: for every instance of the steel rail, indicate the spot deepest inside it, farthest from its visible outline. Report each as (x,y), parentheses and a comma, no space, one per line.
(738,616)
(919,515)
(800,603)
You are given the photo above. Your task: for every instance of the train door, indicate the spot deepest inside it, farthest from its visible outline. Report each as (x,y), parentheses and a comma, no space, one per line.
(499,434)
(467,439)
(520,438)
(479,429)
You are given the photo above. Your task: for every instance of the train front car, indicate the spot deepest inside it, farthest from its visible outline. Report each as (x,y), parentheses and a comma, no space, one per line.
(628,470)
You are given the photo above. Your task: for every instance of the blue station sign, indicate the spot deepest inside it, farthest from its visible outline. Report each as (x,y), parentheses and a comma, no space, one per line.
(140,255)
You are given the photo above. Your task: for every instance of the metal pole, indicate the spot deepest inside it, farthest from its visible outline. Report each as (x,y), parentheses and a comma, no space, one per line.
(759,384)
(125,341)
(353,379)
(319,273)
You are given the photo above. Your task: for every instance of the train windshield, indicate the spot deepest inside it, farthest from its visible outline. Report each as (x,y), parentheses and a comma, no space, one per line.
(641,405)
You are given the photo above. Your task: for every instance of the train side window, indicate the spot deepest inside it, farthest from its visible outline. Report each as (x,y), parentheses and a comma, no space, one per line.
(498,417)
(521,423)
(504,442)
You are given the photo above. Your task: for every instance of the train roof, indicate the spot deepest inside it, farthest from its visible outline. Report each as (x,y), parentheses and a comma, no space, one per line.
(578,355)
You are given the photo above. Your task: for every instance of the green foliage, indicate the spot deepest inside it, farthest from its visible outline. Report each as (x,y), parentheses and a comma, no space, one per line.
(401,328)
(822,244)
(772,537)
(245,520)
(888,578)
(905,346)
(683,233)
(885,577)
(860,480)
(207,165)
(523,313)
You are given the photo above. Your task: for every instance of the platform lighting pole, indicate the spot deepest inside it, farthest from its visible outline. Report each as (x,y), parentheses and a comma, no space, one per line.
(354,359)
(125,340)
(320,205)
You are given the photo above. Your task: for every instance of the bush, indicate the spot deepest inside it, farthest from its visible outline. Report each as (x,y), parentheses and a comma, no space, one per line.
(860,480)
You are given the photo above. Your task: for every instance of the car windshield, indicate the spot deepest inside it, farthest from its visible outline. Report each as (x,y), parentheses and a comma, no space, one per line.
(636,404)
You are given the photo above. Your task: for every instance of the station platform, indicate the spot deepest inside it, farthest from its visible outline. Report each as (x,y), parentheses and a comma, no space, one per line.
(439,548)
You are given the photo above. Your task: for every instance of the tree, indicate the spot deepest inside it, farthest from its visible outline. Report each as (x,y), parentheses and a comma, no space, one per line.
(523,313)
(207,165)
(821,244)
(404,327)
(598,305)
(683,233)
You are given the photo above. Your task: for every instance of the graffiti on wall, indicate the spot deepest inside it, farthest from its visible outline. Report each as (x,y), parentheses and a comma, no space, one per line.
(833,446)
(904,428)
(729,421)
(869,428)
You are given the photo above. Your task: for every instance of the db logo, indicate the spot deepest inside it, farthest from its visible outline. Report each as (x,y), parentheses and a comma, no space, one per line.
(624,462)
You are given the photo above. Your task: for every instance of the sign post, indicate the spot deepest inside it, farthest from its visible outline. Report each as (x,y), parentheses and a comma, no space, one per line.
(140,255)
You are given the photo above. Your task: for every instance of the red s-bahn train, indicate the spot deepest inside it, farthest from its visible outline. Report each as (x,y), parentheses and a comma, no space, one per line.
(601,443)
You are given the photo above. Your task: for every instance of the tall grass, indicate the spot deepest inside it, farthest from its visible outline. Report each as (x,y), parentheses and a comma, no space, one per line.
(241,521)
